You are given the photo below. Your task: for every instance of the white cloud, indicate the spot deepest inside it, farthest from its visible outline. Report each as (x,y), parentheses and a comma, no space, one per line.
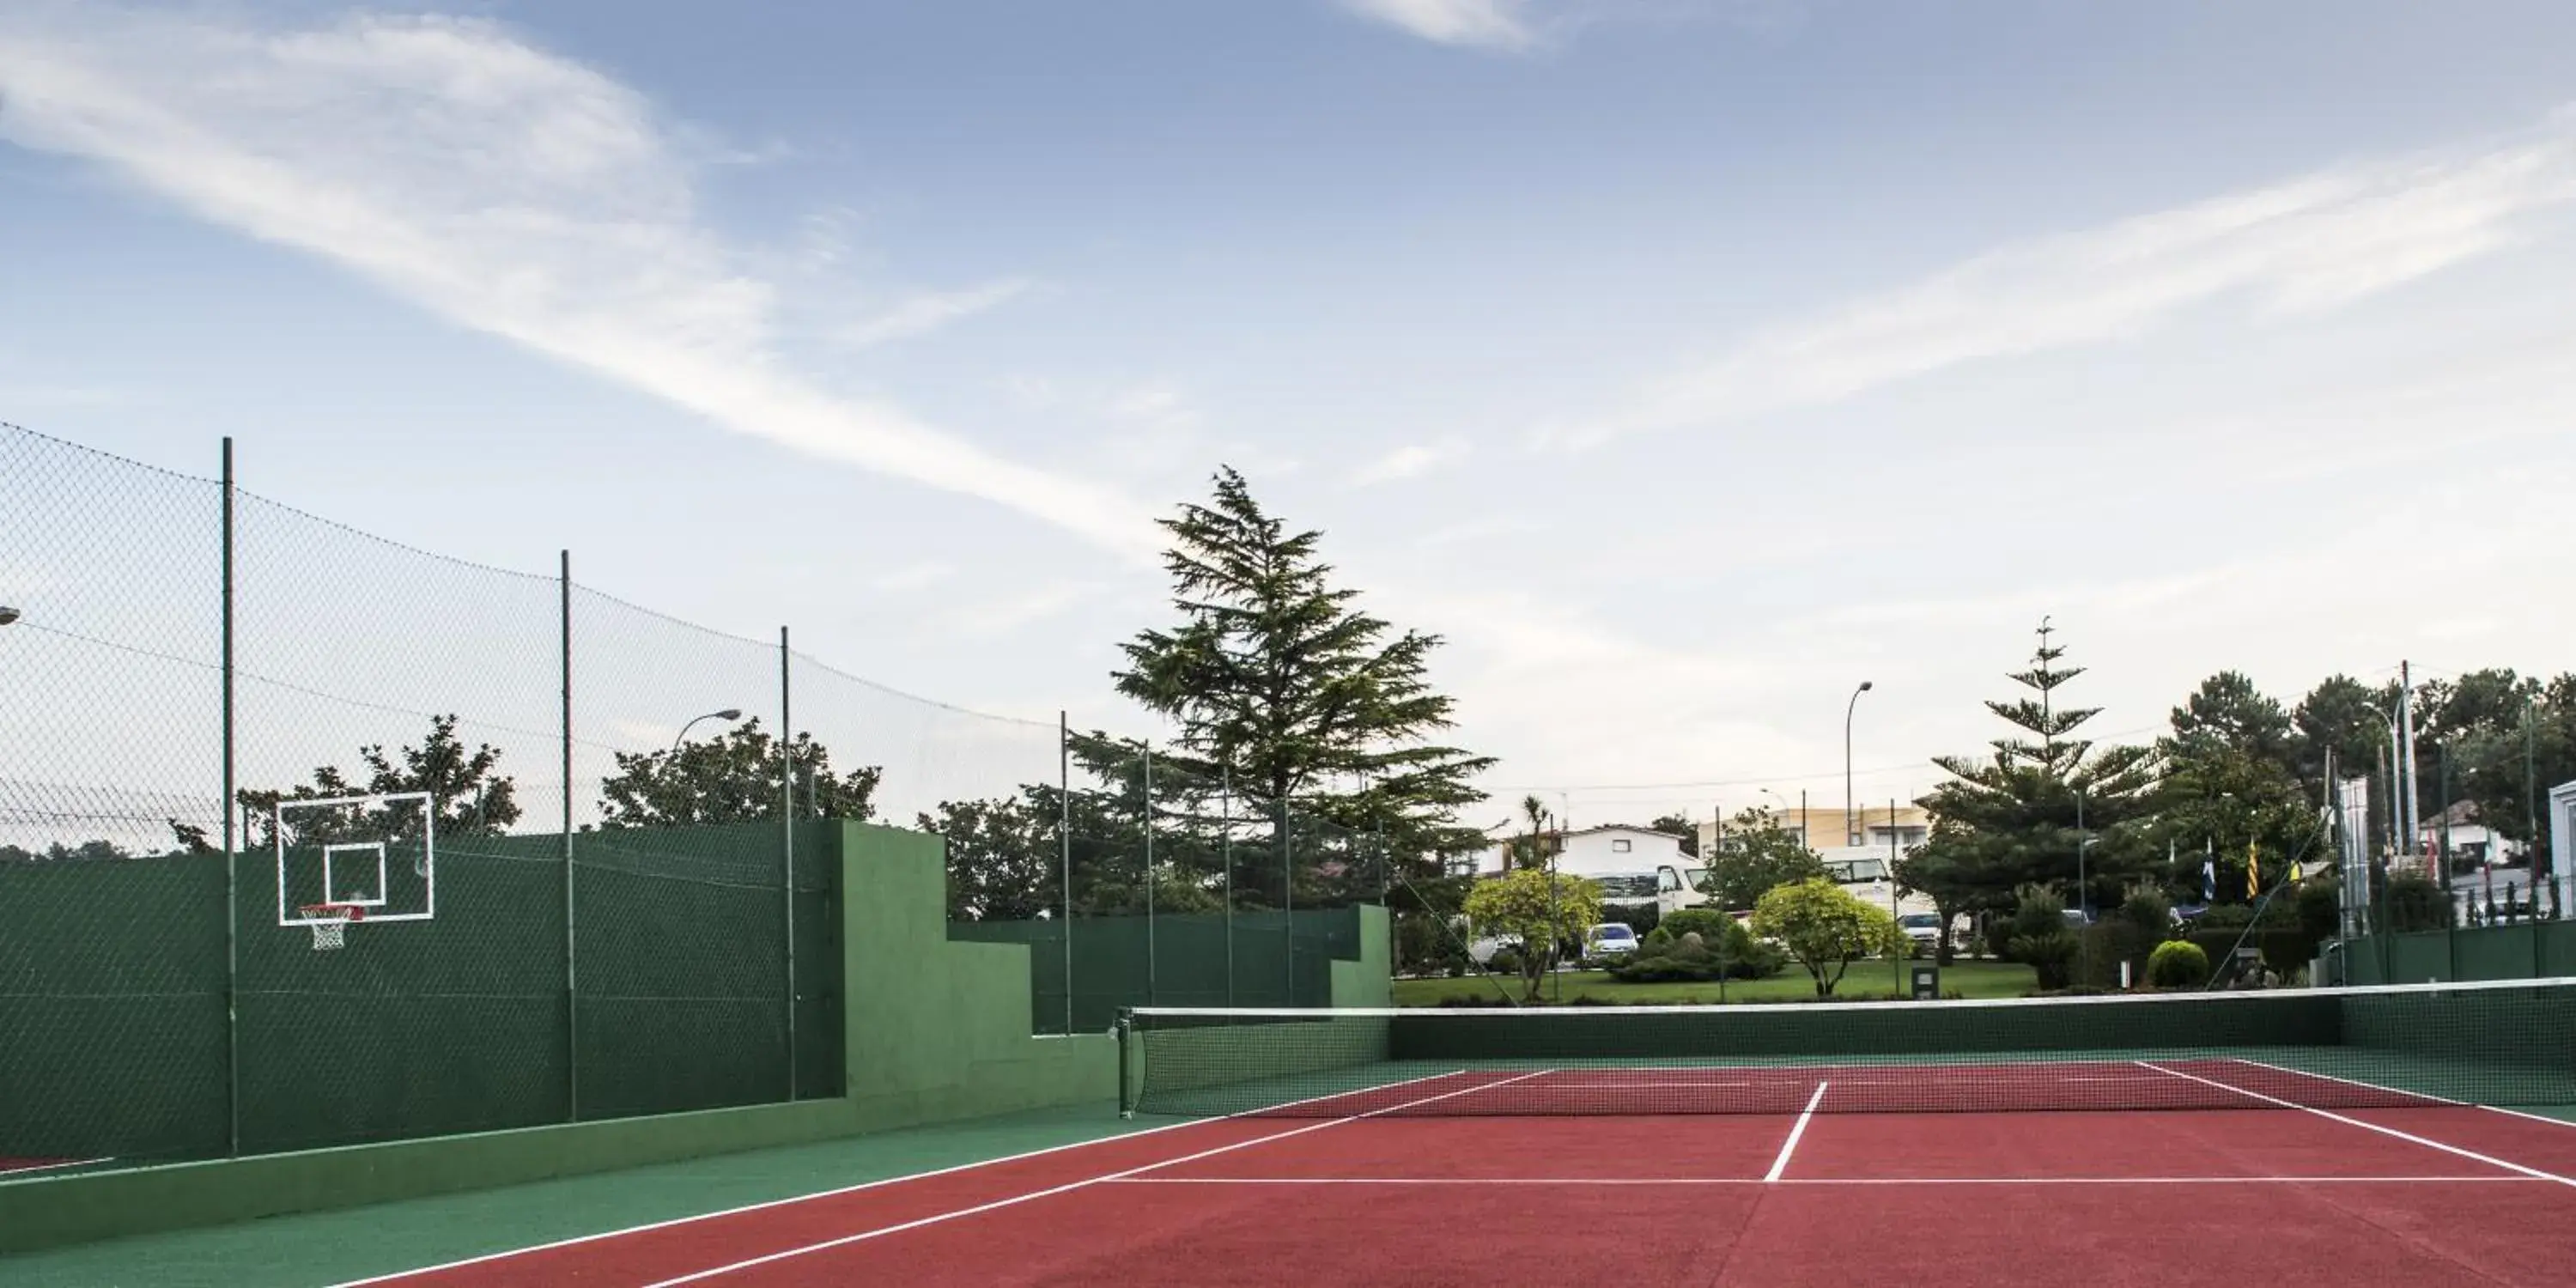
(498,185)
(923,314)
(1483,24)
(2311,243)
(913,576)
(1008,614)
(1409,461)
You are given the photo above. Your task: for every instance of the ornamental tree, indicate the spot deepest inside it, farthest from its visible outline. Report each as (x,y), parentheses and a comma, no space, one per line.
(1826,928)
(1545,909)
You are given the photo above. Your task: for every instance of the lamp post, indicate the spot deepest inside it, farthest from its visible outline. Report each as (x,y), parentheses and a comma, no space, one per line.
(1850,837)
(728,713)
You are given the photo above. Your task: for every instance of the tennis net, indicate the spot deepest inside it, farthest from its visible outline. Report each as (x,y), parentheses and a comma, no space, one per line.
(2506,1043)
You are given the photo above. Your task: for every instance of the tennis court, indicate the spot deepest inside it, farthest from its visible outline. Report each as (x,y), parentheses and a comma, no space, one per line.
(1643,1159)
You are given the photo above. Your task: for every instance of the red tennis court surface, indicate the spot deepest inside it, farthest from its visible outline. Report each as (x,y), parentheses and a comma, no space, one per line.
(2441,1194)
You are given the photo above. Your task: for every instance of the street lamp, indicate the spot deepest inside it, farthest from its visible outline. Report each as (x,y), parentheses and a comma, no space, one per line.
(729,713)
(1850,835)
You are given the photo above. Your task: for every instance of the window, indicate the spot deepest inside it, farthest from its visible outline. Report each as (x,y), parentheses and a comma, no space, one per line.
(1621,845)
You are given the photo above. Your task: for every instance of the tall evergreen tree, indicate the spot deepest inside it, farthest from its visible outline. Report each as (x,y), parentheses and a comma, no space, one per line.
(2011,819)
(1279,684)
(2232,783)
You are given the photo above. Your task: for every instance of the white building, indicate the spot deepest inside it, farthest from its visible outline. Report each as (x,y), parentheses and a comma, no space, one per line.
(2562,838)
(1599,851)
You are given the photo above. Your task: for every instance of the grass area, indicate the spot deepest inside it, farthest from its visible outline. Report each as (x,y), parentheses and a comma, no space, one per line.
(1866,979)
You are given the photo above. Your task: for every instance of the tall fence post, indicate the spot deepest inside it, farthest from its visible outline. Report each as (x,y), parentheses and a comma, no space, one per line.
(787,839)
(571,954)
(1064,838)
(1149,872)
(1225,844)
(1288,898)
(232,859)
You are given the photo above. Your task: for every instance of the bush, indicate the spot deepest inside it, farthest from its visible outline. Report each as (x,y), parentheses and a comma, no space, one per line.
(1707,923)
(1732,952)
(2320,909)
(1658,938)
(2051,956)
(2412,902)
(1506,961)
(2178,963)
(2107,943)
(2145,909)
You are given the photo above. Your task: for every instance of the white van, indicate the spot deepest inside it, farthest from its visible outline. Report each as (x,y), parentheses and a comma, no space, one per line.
(1667,887)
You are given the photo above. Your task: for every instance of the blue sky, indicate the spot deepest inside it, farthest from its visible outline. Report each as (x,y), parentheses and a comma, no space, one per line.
(1683,363)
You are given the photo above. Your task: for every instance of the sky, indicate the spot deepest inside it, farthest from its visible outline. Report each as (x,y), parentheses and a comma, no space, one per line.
(1682,363)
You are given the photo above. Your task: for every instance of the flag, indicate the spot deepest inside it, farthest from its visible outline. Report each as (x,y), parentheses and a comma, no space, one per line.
(2209,880)
(2294,871)
(2253,871)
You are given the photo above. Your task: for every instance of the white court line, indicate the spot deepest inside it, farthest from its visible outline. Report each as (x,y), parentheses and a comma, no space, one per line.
(1650,1181)
(650,1226)
(2366,1126)
(865,1235)
(2349,1082)
(1796,1130)
(2397,1091)
(13,1173)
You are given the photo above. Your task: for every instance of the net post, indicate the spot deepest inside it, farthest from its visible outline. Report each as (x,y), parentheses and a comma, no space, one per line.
(1126,1083)
(232,862)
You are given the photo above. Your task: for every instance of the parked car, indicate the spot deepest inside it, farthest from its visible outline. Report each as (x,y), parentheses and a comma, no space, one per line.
(1924,928)
(1482,950)
(1609,941)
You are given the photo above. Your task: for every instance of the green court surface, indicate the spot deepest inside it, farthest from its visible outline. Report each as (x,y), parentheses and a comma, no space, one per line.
(334,1247)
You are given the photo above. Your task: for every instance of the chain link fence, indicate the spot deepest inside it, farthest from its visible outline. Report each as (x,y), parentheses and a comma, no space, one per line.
(310,838)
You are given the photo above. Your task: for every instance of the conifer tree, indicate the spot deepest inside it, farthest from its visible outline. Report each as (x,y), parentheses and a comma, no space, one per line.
(1282,687)
(2012,819)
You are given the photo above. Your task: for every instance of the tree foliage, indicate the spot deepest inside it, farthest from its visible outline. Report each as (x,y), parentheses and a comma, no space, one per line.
(735,777)
(1754,855)
(468,794)
(1003,864)
(1545,909)
(1280,684)
(1826,928)
(1679,825)
(2012,818)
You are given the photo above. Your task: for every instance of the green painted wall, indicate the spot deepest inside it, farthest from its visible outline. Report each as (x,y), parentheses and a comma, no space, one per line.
(2533,950)
(937,1029)
(931,1031)
(1276,959)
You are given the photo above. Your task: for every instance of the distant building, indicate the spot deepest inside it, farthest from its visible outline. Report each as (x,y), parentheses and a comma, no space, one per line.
(2562,832)
(1831,833)
(1597,851)
(2469,842)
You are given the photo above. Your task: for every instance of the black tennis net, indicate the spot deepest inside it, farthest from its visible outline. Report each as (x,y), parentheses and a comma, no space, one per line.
(2507,1043)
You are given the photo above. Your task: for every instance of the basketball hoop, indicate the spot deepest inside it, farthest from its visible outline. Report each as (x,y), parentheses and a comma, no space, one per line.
(330,922)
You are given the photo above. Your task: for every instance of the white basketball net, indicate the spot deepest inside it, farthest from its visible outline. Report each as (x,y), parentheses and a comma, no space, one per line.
(331,930)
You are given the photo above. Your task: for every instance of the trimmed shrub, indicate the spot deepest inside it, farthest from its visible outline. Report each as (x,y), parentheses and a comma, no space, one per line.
(2412,903)
(2178,963)
(1707,923)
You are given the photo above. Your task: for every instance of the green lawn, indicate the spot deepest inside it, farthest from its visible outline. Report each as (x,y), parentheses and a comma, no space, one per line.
(1867,979)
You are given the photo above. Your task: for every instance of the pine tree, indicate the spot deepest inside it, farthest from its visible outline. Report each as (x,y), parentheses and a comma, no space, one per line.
(2013,819)
(1283,688)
